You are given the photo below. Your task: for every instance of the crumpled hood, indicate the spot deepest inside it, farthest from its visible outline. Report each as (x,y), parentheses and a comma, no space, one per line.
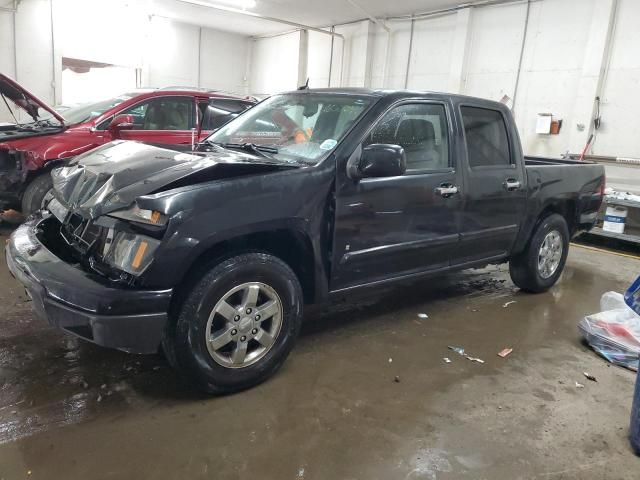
(112,176)
(25,100)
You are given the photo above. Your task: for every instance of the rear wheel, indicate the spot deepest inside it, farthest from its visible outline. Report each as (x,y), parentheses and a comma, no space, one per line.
(538,268)
(37,193)
(238,324)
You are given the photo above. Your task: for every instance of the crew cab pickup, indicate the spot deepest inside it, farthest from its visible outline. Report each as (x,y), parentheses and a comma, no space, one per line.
(211,254)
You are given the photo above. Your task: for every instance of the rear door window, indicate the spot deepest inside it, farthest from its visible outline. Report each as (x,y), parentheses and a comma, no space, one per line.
(486,137)
(219,111)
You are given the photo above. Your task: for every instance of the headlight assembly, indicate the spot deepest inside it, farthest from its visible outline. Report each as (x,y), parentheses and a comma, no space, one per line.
(135,214)
(131,253)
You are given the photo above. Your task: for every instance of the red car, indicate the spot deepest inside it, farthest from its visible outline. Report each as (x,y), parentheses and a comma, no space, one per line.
(29,150)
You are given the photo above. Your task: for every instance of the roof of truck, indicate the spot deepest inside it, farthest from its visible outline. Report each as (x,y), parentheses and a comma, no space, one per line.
(392,93)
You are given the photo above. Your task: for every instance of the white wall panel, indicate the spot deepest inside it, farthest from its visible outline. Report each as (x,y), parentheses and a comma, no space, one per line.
(430,63)
(6,43)
(172,54)
(274,64)
(494,51)
(33,43)
(552,68)
(223,61)
(319,59)
(620,132)
(353,67)
(6,55)
(396,57)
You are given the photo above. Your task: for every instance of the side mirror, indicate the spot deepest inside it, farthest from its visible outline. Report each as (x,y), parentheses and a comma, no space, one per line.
(382,160)
(121,122)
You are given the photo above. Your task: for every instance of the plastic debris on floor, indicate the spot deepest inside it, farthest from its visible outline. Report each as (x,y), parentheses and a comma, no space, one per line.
(460,351)
(614,333)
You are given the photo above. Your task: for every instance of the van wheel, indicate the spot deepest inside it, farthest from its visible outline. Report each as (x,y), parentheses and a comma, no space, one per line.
(238,324)
(36,193)
(538,268)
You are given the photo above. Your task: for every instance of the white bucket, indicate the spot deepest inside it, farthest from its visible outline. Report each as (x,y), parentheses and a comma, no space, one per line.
(614,219)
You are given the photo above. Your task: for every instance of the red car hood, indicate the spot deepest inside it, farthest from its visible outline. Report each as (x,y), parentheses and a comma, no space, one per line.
(25,100)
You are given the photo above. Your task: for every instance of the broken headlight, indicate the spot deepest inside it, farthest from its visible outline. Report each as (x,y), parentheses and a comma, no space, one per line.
(131,252)
(135,214)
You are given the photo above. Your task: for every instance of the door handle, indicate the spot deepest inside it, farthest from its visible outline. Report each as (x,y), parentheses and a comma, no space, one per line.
(446,190)
(511,184)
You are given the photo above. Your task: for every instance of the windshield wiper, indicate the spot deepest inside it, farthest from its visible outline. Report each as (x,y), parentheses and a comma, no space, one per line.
(260,150)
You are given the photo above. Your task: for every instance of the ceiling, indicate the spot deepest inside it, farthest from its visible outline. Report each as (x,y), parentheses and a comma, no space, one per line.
(308,12)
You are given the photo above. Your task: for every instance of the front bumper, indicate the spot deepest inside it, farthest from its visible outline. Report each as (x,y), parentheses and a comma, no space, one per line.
(82,303)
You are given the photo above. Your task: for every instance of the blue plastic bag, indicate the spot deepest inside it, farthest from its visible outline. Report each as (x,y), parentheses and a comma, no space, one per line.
(632,296)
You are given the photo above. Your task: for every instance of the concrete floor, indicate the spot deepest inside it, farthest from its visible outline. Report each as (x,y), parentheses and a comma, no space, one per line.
(71,410)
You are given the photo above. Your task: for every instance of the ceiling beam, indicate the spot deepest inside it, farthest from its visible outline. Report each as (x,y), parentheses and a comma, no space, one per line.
(375,20)
(239,11)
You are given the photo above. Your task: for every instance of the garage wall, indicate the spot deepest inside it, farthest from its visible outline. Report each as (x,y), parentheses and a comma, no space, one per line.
(165,52)
(223,61)
(620,129)
(6,43)
(172,53)
(274,64)
(319,58)
(431,53)
(479,51)
(552,68)
(494,51)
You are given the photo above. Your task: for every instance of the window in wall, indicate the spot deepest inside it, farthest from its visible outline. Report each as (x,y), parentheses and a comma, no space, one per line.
(486,137)
(421,129)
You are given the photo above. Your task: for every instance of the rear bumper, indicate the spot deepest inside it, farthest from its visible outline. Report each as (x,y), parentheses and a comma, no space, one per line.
(81,303)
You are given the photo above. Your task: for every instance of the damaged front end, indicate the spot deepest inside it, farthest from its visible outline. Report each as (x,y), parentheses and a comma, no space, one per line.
(95,215)
(118,247)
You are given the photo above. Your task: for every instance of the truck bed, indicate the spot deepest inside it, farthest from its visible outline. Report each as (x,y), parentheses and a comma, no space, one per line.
(575,184)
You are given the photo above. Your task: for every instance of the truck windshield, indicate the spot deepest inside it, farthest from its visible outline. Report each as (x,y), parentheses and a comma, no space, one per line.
(298,127)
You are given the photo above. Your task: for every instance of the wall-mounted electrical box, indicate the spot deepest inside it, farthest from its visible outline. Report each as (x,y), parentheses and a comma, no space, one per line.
(547,124)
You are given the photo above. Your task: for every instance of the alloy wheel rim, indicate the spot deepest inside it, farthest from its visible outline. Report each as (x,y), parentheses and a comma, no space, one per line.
(244,325)
(550,254)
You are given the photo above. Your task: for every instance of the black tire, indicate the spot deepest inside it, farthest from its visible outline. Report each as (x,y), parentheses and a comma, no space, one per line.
(35,192)
(524,268)
(185,343)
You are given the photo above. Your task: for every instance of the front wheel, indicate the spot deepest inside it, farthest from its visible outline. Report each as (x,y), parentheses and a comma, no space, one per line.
(238,324)
(538,268)
(37,194)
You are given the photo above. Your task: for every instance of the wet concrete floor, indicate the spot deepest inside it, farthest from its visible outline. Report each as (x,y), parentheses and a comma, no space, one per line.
(72,410)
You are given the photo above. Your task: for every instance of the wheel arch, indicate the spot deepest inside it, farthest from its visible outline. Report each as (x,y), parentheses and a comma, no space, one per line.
(292,246)
(565,207)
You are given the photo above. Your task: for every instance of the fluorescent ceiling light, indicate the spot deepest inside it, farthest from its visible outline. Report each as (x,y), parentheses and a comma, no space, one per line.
(244,4)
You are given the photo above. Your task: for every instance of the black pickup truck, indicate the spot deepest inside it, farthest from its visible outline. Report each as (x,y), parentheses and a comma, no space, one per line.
(211,254)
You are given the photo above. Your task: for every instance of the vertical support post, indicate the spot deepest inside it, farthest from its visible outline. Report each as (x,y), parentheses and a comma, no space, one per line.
(199,57)
(409,53)
(333,39)
(459,54)
(303,57)
(368,66)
